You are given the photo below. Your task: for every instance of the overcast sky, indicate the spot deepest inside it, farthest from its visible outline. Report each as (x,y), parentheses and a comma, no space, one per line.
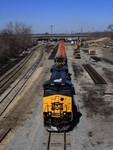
(66,16)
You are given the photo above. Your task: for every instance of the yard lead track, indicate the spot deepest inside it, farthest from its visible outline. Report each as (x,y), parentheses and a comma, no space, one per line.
(97,78)
(10,96)
(57,141)
(53,53)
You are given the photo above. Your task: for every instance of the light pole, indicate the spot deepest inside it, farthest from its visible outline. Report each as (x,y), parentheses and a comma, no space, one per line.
(51,29)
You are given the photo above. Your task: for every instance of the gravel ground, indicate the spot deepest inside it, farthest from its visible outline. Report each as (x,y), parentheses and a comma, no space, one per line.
(94,130)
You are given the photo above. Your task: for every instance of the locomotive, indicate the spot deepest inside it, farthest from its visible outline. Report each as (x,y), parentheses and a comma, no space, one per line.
(58,95)
(57,101)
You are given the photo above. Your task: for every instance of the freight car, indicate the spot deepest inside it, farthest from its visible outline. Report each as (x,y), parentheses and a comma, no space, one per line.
(58,102)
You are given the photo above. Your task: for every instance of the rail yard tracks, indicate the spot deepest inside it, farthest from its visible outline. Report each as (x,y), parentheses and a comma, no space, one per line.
(6,99)
(57,141)
(10,96)
(97,78)
(7,78)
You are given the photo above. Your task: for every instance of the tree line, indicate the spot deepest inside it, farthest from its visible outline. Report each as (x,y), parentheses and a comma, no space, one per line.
(14,39)
(106,33)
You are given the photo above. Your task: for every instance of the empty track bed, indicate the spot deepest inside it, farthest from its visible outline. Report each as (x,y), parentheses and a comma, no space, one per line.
(96,58)
(107,60)
(57,141)
(97,78)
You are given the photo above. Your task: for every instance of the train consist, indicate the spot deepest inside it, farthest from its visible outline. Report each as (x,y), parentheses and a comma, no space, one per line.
(58,94)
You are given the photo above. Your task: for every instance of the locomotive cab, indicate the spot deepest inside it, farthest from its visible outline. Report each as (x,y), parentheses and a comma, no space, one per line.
(63,89)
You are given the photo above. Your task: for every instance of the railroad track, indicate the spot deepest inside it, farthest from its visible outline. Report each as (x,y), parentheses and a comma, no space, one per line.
(11,64)
(8,98)
(53,53)
(57,141)
(97,78)
(8,77)
(5,134)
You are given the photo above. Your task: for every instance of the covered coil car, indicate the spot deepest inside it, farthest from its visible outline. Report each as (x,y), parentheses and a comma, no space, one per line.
(58,101)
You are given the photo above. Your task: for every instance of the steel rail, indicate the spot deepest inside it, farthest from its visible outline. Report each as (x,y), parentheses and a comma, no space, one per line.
(51,144)
(48,143)
(5,134)
(64,140)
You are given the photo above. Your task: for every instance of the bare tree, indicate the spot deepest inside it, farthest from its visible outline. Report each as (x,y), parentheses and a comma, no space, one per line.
(110,28)
(14,38)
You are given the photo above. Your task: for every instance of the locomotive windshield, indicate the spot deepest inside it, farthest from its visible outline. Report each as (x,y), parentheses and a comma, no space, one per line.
(63,91)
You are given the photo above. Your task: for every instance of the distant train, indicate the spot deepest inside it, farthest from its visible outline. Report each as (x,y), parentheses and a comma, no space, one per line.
(58,95)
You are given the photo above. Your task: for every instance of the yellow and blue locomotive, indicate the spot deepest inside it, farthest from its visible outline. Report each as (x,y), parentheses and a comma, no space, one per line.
(58,100)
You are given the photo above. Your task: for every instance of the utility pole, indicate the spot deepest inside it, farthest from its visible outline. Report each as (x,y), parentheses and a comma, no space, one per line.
(81,31)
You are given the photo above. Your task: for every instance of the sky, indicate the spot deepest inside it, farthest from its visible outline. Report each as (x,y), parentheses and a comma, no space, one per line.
(66,16)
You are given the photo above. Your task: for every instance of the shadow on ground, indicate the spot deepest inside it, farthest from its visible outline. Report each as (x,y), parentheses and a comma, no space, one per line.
(76,117)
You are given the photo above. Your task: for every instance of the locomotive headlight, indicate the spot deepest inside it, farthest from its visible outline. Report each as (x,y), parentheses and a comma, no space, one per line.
(64,113)
(49,113)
